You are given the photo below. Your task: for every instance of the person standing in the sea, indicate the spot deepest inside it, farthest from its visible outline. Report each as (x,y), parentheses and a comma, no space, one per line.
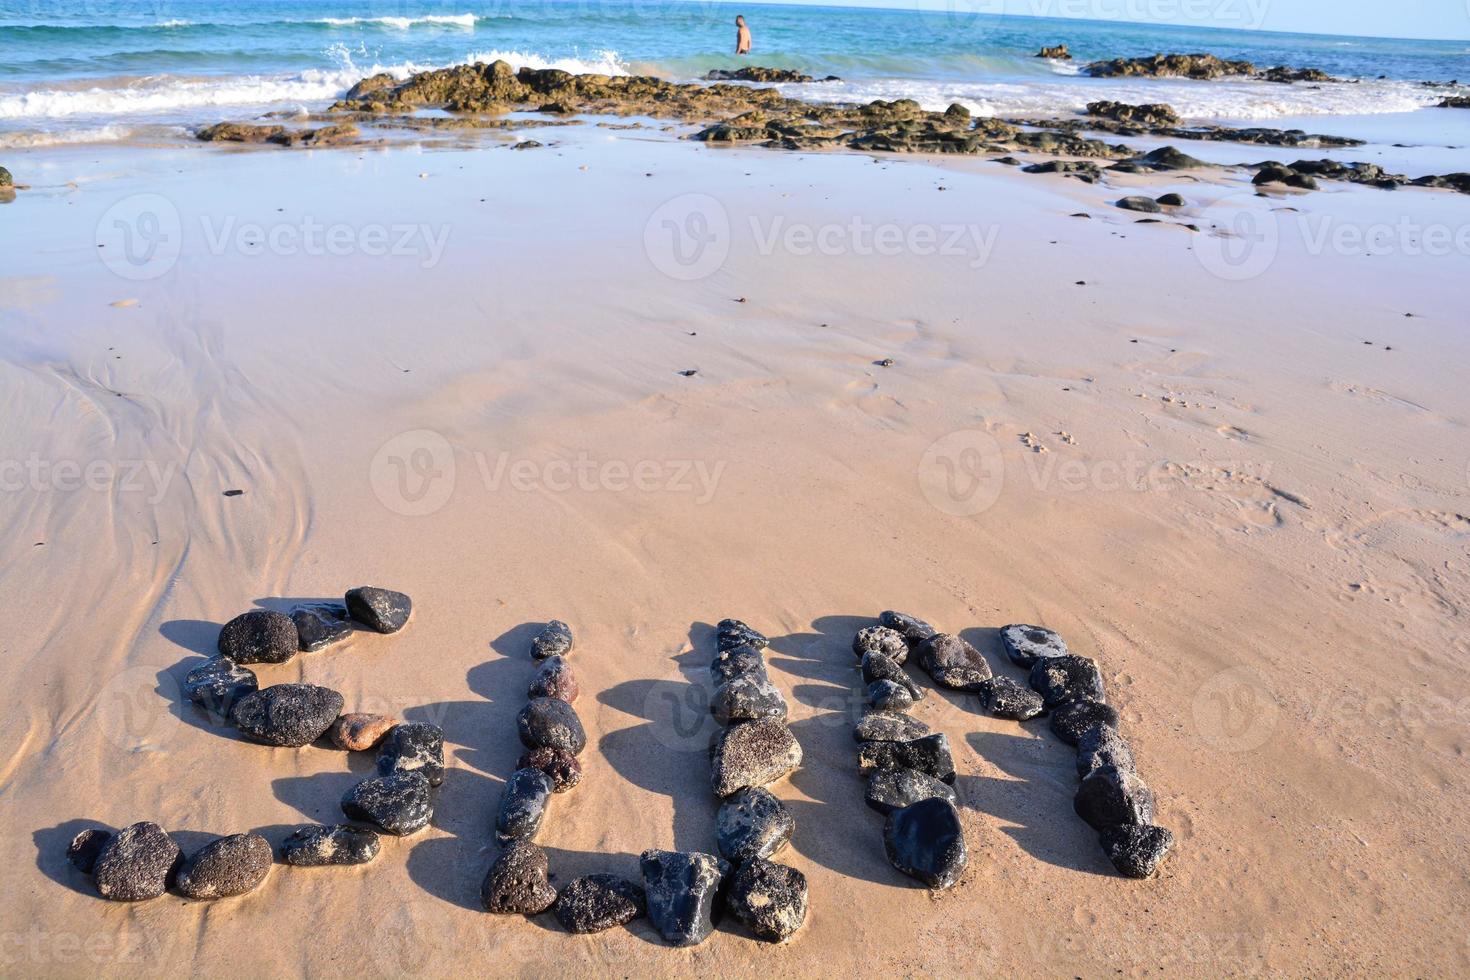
(742,35)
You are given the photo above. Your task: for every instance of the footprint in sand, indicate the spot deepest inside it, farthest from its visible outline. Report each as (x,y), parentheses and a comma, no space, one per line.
(1066,437)
(1233,432)
(1032,443)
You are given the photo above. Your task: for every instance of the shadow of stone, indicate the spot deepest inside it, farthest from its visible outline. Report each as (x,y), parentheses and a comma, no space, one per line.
(51,860)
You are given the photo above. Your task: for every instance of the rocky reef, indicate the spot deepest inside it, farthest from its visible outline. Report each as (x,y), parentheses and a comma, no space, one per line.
(765,76)
(1199,66)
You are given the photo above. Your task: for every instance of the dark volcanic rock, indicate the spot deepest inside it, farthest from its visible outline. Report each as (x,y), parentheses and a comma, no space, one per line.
(743,659)
(1057,51)
(888,695)
(1170,200)
(746,697)
(136,863)
(681,889)
(881,667)
(1274,173)
(599,902)
(1281,73)
(1154,114)
(1138,203)
(1198,66)
(399,803)
(414,746)
(1164,158)
(929,754)
(953,663)
(1071,719)
(261,636)
(522,805)
(751,754)
(1027,644)
(894,789)
(751,824)
(755,73)
(1111,796)
(881,639)
(226,867)
(1059,679)
(1136,850)
(287,714)
(1455,102)
(559,765)
(1007,699)
(218,683)
(321,846)
(555,679)
(5,179)
(770,899)
(1084,170)
(925,841)
(379,609)
(85,847)
(732,633)
(888,726)
(913,629)
(320,624)
(518,883)
(1103,745)
(553,641)
(552,723)
(359,731)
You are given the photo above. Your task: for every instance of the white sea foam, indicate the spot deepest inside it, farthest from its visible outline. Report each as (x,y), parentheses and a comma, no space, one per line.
(402,23)
(597,62)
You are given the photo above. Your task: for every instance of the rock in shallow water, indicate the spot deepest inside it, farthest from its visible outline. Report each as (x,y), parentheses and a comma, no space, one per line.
(226,867)
(518,882)
(751,824)
(888,726)
(886,695)
(555,679)
(881,639)
(1103,745)
(552,723)
(85,847)
(136,864)
(287,714)
(732,633)
(319,625)
(218,683)
(261,636)
(913,629)
(414,746)
(559,765)
(1136,850)
(681,888)
(398,804)
(553,641)
(382,610)
(752,753)
(1110,796)
(953,663)
(1071,719)
(770,899)
(1007,699)
(929,754)
(894,789)
(599,902)
(1027,644)
(925,841)
(358,731)
(1060,679)
(522,805)
(322,846)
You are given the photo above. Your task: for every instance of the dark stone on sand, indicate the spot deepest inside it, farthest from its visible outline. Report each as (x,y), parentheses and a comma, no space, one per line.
(519,882)
(136,864)
(744,659)
(1007,699)
(752,824)
(287,714)
(880,667)
(323,846)
(681,889)
(382,610)
(746,697)
(1138,203)
(553,641)
(261,636)
(953,663)
(414,746)
(522,805)
(552,723)
(1111,796)
(929,755)
(1070,720)
(399,804)
(769,899)
(885,695)
(751,754)
(218,683)
(1103,745)
(1170,200)
(1153,114)
(888,726)
(599,902)
(555,679)
(881,639)
(559,765)
(1027,644)
(1136,850)
(894,789)
(1084,170)
(1060,679)
(925,841)
(536,144)
(226,867)
(320,624)
(913,629)
(732,633)
(1272,173)
(85,847)
(1164,158)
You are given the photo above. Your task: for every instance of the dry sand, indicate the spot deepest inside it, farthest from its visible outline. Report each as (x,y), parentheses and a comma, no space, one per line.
(1232,493)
